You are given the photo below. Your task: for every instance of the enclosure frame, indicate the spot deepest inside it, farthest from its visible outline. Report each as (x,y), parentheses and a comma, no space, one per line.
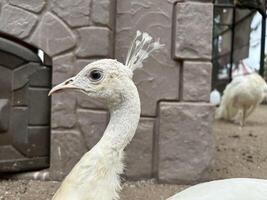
(232,29)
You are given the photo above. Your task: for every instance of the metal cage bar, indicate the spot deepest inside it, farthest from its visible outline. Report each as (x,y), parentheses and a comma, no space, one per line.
(232,28)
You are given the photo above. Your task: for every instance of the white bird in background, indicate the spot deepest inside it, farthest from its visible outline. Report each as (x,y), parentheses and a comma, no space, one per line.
(241,97)
(96,175)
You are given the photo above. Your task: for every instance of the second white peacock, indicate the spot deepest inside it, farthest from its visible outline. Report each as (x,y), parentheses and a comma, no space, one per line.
(241,97)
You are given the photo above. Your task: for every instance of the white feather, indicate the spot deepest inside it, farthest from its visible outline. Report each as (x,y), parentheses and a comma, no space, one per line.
(241,97)
(96,175)
(141,47)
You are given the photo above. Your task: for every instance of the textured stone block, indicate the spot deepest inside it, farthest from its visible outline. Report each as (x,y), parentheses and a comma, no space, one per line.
(193,32)
(37,136)
(63,67)
(4,114)
(42,77)
(154,83)
(66,150)
(52,35)
(159,78)
(16,21)
(75,13)
(22,75)
(11,61)
(6,78)
(186,146)
(63,110)
(38,99)
(139,152)
(197,81)
(103,12)
(31,5)
(8,152)
(3,2)
(94,41)
(20,97)
(92,124)
(18,126)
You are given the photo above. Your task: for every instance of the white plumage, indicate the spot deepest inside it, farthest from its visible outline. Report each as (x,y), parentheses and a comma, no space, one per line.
(228,189)
(96,175)
(241,97)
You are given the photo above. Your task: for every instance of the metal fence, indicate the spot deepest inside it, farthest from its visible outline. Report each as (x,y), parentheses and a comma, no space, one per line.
(238,39)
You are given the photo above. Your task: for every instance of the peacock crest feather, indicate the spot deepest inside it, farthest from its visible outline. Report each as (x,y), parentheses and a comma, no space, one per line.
(141,47)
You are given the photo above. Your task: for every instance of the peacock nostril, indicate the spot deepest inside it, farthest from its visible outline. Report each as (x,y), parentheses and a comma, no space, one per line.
(68,82)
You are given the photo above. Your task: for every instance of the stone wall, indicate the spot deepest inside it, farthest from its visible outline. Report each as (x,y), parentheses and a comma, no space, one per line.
(173,141)
(174,88)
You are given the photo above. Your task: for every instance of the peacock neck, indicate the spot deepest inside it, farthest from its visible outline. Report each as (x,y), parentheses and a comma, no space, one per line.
(96,175)
(124,118)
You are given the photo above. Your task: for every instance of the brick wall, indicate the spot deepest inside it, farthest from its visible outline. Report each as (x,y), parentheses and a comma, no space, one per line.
(174,88)
(173,141)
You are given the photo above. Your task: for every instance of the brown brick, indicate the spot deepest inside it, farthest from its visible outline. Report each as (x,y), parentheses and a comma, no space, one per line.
(63,110)
(193,32)
(186,146)
(197,81)
(63,67)
(94,41)
(75,13)
(159,78)
(66,150)
(52,35)
(31,5)
(103,12)
(139,151)
(16,21)
(92,124)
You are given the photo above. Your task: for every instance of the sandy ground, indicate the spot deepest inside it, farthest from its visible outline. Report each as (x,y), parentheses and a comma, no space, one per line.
(239,153)
(32,190)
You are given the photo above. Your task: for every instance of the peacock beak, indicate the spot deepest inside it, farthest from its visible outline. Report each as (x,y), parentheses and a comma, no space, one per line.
(68,84)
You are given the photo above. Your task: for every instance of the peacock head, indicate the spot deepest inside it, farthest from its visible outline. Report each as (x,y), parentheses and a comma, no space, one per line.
(105,79)
(108,79)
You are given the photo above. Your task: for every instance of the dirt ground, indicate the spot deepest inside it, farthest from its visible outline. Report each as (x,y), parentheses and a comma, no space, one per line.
(239,153)
(41,190)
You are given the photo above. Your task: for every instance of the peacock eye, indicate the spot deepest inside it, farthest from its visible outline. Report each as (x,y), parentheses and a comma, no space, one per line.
(95,75)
